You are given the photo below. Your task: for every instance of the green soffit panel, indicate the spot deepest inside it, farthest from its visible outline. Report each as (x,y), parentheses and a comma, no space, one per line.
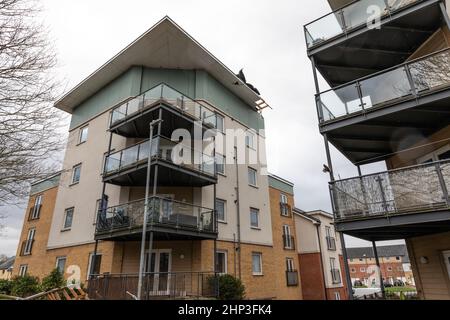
(281,185)
(46,184)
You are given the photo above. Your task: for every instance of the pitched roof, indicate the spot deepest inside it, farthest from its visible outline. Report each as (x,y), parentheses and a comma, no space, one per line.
(165,45)
(383,251)
(7,264)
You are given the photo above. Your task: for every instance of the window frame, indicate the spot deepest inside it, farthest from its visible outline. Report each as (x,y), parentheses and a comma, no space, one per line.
(290,265)
(225,261)
(221,156)
(29,242)
(91,255)
(257,273)
(36,214)
(64,266)
(23,270)
(80,134)
(253,170)
(250,142)
(64,228)
(288,242)
(74,168)
(224,220)
(255,210)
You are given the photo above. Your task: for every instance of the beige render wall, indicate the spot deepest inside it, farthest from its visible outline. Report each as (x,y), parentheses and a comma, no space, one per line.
(306,236)
(432,278)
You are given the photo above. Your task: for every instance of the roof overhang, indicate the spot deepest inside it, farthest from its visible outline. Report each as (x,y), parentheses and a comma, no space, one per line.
(165,45)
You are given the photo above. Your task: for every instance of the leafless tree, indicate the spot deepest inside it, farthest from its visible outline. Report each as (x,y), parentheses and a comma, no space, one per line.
(28,123)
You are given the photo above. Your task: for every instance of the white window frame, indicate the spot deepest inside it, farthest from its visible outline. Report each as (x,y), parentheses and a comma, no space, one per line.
(91,255)
(287,233)
(362,269)
(222,120)
(283,198)
(36,209)
(337,295)
(80,134)
(250,169)
(224,220)
(257,273)
(29,242)
(255,210)
(23,269)
(218,155)
(225,254)
(57,262)
(64,228)
(250,138)
(290,265)
(74,168)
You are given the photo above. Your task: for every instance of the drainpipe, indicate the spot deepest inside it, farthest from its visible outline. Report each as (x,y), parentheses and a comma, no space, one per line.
(321,260)
(238,212)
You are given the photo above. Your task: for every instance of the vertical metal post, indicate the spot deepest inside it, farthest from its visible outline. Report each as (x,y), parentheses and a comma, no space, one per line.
(442,183)
(348,279)
(216,284)
(238,212)
(377,260)
(444,13)
(328,153)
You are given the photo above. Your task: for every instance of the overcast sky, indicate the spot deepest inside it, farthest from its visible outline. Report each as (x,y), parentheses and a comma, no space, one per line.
(265,37)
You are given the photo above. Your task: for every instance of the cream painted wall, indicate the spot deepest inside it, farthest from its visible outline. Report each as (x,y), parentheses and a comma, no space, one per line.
(306,238)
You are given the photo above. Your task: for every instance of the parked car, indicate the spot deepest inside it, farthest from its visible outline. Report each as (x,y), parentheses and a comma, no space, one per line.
(399,283)
(388,285)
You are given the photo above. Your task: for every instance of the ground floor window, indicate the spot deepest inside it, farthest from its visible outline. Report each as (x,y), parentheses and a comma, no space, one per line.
(337,296)
(221,262)
(23,269)
(61,264)
(257,263)
(95,262)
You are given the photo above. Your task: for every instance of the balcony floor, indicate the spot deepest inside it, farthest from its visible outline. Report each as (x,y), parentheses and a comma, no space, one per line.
(397,226)
(362,52)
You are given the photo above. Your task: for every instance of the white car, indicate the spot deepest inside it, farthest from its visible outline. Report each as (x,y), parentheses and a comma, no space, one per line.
(361,292)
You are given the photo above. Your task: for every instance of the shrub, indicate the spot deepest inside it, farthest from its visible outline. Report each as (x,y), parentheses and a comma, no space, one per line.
(54,280)
(25,286)
(5,287)
(230,288)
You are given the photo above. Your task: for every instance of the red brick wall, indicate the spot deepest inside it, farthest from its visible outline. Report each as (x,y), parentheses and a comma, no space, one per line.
(344,290)
(397,270)
(311,276)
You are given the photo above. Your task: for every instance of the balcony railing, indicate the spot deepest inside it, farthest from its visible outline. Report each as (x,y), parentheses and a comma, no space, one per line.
(161,285)
(168,150)
(162,212)
(292,278)
(336,276)
(415,189)
(405,82)
(163,92)
(331,243)
(350,17)
(285,209)
(288,242)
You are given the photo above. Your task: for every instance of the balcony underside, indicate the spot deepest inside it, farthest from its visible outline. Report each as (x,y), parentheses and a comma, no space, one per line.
(160,233)
(169,174)
(362,52)
(397,226)
(377,133)
(137,126)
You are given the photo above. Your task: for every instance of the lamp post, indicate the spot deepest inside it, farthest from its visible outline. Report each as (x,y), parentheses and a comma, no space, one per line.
(146,205)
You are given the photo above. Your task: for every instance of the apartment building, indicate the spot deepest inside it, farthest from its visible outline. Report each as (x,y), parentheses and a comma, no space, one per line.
(216,215)
(320,256)
(394,265)
(386,63)
(6,267)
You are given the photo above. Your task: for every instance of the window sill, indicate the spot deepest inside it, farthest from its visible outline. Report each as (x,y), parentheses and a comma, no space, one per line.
(258,274)
(74,184)
(222,222)
(221,174)
(253,186)
(256,228)
(66,230)
(80,143)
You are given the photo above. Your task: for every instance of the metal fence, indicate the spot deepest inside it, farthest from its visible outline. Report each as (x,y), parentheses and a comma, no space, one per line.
(157,286)
(413,189)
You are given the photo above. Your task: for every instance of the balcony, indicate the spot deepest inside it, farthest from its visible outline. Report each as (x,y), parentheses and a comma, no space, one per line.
(156,286)
(331,243)
(349,43)
(362,117)
(336,276)
(395,204)
(131,118)
(179,165)
(292,278)
(169,219)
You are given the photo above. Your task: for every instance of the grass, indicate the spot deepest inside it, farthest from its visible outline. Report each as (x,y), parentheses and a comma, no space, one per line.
(400,289)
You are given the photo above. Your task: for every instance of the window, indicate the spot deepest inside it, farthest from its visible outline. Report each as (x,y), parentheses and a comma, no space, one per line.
(83,135)
(28,244)
(36,210)
(331,241)
(252,177)
(99,209)
(397,258)
(61,264)
(257,263)
(250,140)
(288,240)
(23,269)
(220,207)
(290,267)
(283,198)
(254,218)
(362,269)
(360,259)
(335,273)
(220,164)
(352,270)
(221,262)
(220,125)
(389,268)
(97,264)
(285,210)
(68,219)
(337,295)
(76,174)
(399,269)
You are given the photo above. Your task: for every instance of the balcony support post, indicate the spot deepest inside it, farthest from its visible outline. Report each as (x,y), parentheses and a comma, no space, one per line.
(377,260)
(442,183)
(444,13)
(348,279)
(316,84)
